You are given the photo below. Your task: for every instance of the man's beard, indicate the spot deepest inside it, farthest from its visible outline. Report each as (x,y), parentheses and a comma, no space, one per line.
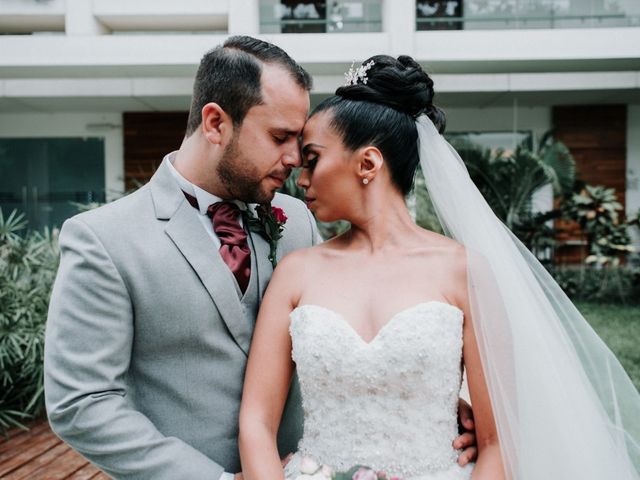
(240,178)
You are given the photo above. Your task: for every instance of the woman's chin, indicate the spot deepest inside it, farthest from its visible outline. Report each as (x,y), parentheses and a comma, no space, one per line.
(324,217)
(321,213)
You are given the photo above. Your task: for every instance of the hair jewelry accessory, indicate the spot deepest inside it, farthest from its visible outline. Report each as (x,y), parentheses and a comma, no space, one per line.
(354,75)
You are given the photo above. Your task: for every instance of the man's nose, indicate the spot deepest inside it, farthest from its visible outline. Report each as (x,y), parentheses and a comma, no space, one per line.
(292,158)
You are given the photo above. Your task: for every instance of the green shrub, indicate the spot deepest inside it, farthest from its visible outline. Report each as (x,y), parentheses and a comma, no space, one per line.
(28,265)
(597,210)
(604,285)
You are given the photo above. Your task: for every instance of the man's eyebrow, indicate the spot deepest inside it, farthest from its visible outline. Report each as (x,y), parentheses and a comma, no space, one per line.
(290,133)
(306,148)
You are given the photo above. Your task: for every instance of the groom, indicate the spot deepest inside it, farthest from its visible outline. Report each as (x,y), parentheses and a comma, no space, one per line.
(156,296)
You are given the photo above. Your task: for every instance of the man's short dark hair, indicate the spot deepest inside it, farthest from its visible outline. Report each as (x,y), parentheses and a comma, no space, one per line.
(229,75)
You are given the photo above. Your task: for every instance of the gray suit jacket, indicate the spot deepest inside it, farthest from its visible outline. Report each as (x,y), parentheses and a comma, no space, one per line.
(146,341)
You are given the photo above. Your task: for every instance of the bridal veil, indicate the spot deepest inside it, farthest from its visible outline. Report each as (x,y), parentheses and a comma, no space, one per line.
(564,406)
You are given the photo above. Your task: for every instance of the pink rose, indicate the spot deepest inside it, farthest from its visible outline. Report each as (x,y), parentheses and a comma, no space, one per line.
(279,215)
(327,471)
(365,474)
(309,466)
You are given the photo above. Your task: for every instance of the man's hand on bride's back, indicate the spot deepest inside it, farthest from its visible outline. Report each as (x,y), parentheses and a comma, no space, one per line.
(466,441)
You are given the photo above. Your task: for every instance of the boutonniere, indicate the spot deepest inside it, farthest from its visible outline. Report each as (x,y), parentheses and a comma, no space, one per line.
(270,224)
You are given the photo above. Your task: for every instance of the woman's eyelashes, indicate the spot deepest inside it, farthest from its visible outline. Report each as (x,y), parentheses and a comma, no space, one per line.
(310,162)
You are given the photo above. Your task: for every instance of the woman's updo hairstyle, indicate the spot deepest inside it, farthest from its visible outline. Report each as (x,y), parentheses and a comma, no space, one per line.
(382,113)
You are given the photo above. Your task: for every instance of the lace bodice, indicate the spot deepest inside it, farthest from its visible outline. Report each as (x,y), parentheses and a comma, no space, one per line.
(389,404)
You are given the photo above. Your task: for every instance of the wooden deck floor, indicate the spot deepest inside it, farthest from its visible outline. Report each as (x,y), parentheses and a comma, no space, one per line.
(38,454)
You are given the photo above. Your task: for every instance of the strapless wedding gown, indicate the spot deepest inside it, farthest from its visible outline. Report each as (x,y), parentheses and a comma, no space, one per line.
(390,404)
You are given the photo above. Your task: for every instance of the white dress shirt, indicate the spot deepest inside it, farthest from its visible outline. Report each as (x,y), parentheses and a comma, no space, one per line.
(204,199)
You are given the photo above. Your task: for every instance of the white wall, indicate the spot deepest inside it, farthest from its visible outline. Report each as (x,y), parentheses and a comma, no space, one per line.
(95,125)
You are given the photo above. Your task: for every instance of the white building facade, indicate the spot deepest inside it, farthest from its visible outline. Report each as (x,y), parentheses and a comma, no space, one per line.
(71,71)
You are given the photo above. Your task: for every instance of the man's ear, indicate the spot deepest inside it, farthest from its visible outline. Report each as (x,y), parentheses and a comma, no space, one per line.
(216,125)
(370,163)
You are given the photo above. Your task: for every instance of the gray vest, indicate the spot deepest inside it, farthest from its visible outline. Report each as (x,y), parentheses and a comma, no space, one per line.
(250,300)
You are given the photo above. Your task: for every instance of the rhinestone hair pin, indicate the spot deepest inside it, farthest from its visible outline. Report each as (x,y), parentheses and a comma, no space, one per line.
(355,75)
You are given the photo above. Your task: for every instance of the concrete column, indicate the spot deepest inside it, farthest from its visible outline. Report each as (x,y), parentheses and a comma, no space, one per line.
(399,21)
(79,19)
(244,17)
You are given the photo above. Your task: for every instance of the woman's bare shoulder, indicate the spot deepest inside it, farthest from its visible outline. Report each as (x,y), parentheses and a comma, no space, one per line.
(444,245)
(300,262)
(452,258)
(318,252)
(439,253)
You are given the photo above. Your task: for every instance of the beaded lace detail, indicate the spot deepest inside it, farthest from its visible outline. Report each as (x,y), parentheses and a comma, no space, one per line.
(390,404)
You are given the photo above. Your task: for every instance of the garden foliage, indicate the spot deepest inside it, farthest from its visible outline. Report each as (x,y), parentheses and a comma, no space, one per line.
(28,264)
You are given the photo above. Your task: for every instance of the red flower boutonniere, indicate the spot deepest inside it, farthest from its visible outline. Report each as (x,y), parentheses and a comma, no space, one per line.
(270,224)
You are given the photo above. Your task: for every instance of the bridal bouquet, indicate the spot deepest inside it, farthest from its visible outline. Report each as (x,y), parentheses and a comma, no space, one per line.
(311,470)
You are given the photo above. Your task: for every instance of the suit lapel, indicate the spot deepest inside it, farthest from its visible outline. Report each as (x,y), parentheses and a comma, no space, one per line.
(193,242)
(263,265)
(262,249)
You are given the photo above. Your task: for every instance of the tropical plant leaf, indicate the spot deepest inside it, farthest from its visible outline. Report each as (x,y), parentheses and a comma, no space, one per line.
(12,224)
(561,168)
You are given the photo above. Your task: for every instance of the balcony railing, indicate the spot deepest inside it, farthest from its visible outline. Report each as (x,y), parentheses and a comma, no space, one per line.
(555,21)
(524,14)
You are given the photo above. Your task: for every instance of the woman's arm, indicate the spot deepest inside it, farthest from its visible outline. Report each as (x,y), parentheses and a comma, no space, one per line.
(268,374)
(489,464)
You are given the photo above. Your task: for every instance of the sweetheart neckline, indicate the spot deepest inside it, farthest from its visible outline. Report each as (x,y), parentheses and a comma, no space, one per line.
(344,321)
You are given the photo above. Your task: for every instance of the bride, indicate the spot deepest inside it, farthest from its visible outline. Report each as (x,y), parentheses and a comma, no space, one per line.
(378,321)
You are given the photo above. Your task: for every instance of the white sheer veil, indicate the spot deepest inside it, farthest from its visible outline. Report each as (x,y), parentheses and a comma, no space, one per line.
(565,409)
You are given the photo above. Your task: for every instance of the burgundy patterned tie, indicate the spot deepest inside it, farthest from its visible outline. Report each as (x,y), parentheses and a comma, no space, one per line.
(234,248)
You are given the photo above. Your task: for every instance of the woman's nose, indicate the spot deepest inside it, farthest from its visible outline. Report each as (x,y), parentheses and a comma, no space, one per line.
(303,178)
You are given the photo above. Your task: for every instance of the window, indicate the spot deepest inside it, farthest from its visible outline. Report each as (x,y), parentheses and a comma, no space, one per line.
(43,177)
(439,14)
(333,16)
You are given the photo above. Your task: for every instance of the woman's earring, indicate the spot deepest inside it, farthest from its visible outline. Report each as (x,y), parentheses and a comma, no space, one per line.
(365,181)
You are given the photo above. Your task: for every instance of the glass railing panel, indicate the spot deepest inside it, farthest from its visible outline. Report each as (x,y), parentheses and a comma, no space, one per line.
(525,14)
(290,16)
